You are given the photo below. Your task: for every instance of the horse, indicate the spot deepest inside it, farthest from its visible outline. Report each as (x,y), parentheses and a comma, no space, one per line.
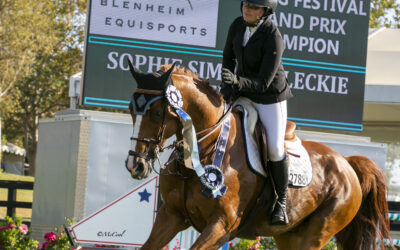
(346,198)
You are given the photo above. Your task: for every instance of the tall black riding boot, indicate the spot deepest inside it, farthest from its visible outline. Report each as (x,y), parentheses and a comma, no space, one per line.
(279,171)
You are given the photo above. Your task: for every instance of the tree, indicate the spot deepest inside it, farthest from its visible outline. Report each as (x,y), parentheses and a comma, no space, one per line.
(384,13)
(42,88)
(22,35)
(16,44)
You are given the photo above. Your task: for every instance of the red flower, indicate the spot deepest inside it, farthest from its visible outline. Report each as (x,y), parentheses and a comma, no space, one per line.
(43,246)
(50,236)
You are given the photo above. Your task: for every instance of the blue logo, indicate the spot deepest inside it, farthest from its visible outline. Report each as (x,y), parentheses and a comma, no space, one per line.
(144,195)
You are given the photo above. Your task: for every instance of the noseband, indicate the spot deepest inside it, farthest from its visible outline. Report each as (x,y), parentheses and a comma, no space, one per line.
(148,156)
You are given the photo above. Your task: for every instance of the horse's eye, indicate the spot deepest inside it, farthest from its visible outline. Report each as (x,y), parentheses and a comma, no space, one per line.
(156,114)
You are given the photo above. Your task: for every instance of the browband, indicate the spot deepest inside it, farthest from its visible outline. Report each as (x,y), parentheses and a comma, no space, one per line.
(149,92)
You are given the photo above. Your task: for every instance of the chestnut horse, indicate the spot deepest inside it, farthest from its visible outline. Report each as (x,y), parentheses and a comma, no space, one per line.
(346,198)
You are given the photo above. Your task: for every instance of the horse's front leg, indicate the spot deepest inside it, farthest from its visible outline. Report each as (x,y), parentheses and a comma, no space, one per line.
(213,236)
(168,223)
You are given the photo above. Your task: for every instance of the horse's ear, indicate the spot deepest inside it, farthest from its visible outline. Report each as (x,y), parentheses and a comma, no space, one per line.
(167,75)
(136,73)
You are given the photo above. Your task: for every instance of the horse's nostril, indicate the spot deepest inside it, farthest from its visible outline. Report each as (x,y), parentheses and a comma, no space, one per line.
(140,167)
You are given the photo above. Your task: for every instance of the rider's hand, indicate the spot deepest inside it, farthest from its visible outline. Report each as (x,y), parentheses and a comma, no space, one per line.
(229,92)
(228,77)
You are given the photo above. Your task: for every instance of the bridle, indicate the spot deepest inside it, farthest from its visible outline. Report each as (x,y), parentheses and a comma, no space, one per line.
(152,152)
(149,155)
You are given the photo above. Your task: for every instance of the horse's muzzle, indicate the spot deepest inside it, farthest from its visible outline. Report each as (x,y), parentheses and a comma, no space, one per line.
(139,168)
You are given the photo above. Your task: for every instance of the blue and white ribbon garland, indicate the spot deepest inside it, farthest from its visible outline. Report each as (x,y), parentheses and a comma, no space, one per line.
(210,176)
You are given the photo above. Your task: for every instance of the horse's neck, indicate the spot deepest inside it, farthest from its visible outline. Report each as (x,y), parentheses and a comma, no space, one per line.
(205,110)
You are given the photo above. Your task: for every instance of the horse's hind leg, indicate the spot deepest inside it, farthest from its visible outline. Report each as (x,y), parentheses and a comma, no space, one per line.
(304,239)
(321,226)
(167,225)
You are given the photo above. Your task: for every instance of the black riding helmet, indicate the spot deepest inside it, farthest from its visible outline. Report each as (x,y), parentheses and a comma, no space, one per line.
(268,5)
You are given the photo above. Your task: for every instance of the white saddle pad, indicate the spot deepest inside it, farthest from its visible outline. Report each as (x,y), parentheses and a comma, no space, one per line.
(250,118)
(300,169)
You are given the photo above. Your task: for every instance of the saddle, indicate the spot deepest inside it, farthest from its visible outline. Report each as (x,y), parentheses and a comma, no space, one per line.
(260,136)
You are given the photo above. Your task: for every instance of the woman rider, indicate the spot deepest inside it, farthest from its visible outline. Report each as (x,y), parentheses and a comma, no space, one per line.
(254,47)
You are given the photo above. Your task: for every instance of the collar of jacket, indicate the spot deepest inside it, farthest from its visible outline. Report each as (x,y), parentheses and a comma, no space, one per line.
(263,26)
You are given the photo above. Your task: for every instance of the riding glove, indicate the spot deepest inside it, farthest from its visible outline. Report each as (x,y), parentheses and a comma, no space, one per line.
(228,77)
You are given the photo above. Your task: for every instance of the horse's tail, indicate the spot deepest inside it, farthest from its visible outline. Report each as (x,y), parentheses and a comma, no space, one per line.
(371,221)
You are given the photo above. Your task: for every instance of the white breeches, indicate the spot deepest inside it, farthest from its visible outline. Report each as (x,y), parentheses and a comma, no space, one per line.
(273,117)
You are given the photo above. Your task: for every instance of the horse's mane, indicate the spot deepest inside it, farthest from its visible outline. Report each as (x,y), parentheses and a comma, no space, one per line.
(185,72)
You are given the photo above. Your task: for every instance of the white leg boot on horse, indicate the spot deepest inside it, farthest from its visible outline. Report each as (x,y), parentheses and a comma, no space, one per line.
(279,171)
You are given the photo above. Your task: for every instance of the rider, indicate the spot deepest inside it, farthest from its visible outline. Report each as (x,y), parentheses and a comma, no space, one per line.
(254,47)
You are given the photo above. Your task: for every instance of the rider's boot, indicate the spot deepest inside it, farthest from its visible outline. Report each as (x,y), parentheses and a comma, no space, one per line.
(279,171)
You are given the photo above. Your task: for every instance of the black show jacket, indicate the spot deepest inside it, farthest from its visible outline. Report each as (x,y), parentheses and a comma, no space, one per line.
(259,67)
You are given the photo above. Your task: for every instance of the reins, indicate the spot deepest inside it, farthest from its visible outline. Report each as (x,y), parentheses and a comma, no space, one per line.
(214,127)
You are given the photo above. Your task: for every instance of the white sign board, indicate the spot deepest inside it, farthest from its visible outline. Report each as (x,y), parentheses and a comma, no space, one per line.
(126,221)
(157,20)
